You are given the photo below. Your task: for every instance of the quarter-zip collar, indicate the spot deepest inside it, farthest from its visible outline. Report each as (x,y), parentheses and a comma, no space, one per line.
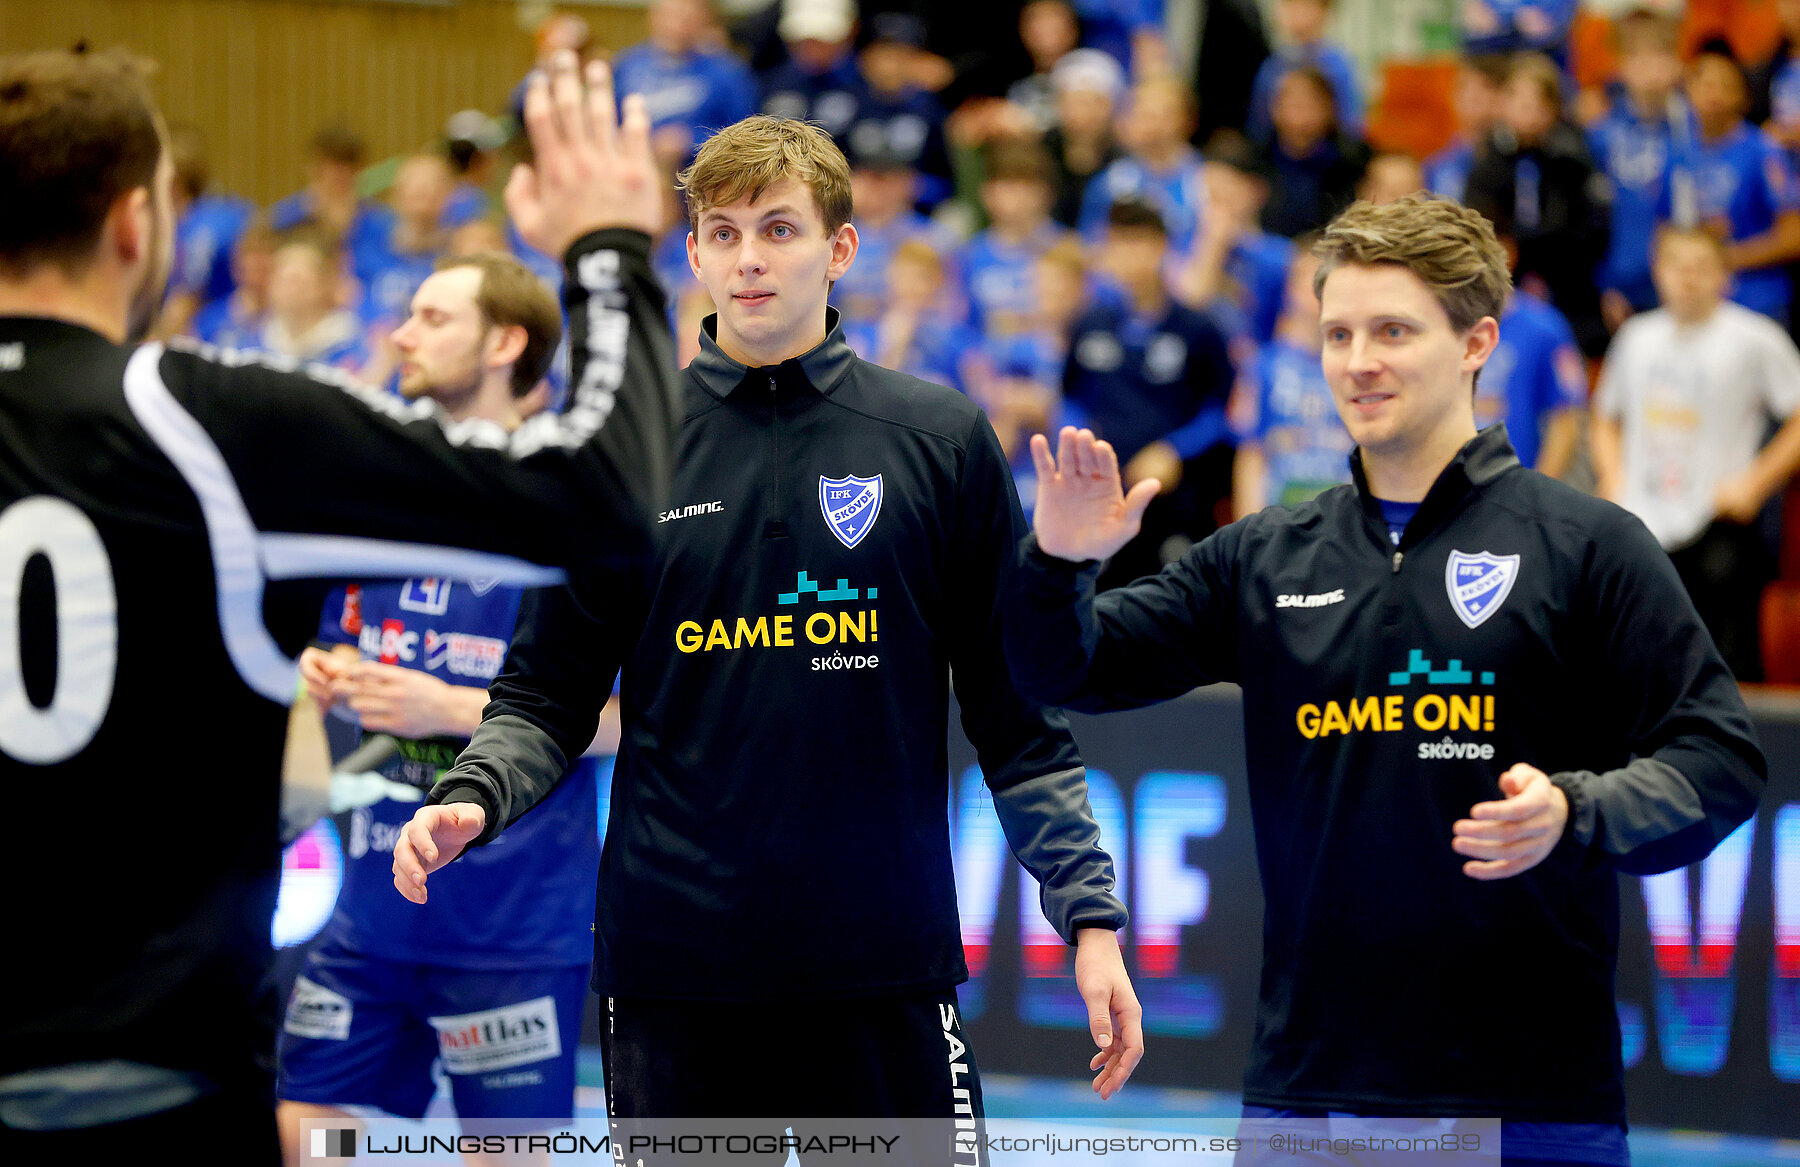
(820,369)
(1482,459)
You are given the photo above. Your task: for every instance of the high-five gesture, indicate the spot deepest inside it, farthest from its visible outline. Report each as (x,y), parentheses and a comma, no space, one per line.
(1081,511)
(589,170)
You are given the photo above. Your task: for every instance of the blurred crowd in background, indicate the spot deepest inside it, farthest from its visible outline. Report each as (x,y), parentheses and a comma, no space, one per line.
(1059,222)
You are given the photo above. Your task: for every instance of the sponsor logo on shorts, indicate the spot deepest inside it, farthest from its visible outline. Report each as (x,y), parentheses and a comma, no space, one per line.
(498,1039)
(315,1011)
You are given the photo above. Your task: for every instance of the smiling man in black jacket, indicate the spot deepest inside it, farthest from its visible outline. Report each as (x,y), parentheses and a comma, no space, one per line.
(832,554)
(1471,696)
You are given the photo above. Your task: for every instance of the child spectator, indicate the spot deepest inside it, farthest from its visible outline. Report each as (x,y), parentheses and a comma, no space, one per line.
(1018,377)
(1733,179)
(883,187)
(329,203)
(307,320)
(422,188)
(819,81)
(1049,31)
(1633,144)
(1081,144)
(1480,82)
(472,141)
(1535,382)
(1301,24)
(1290,442)
(1238,272)
(237,321)
(1390,177)
(915,332)
(1152,376)
(894,115)
(994,269)
(206,228)
(1680,415)
(1313,168)
(1159,168)
(1538,184)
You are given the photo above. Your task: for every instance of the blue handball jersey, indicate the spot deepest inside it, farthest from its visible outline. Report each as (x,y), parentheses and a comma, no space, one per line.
(1635,152)
(997,278)
(526,899)
(1535,370)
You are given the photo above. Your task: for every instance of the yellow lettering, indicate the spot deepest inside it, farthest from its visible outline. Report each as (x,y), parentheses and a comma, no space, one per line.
(1307,717)
(754,634)
(1366,714)
(1465,712)
(784,632)
(1333,719)
(830,628)
(1421,719)
(717,636)
(687,636)
(1393,712)
(848,628)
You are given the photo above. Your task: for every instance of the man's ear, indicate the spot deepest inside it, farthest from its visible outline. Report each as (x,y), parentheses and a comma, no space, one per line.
(129,226)
(1479,343)
(843,251)
(693,253)
(506,344)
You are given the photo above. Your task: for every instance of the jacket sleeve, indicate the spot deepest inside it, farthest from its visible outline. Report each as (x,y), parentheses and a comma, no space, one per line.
(542,712)
(1696,771)
(327,477)
(1155,639)
(1027,753)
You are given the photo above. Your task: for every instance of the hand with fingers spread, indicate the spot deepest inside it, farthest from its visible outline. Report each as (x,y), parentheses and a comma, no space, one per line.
(436,835)
(1114,1016)
(1515,834)
(589,169)
(1081,510)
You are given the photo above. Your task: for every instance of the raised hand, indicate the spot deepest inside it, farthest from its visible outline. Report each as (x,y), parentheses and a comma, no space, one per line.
(1081,510)
(589,170)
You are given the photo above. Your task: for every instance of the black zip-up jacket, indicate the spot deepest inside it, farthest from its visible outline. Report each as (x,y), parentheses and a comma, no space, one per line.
(187,501)
(833,553)
(1385,691)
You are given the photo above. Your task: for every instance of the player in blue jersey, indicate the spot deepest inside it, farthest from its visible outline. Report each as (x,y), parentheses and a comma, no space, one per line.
(1734,179)
(392,988)
(691,86)
(1634,144)
(1291,444)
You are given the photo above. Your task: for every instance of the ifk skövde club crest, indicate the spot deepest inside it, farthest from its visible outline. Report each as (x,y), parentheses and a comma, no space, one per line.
(850,505)
(1478,584)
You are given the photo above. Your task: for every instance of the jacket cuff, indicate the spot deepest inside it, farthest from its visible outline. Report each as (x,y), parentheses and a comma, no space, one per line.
(624,239)
(461,790)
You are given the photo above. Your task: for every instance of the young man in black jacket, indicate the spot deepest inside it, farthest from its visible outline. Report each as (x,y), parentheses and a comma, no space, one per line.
(832,554)
(1472,695)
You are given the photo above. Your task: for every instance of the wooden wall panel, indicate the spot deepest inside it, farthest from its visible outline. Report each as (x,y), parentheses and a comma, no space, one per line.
(258,76)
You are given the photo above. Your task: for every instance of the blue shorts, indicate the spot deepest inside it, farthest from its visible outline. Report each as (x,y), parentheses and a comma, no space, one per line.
(368,1031)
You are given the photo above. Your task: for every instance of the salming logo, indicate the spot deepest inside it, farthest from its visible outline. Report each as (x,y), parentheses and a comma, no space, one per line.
(1313,601)
(716,507)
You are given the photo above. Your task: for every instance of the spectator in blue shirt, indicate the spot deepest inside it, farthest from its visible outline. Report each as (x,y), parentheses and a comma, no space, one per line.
(1511,26)
(412,245)
(307,321)
(1634,144)
(994,270)
(330,203)
(1314,168)
(1301,24)
(691,85)
(1152,376)
(1129,31)
(206,227)
(1291,443)
(1159,168)
(237,320)
(1238,273)
(1733,179)
(1476,99)
(883,188)
(819,82)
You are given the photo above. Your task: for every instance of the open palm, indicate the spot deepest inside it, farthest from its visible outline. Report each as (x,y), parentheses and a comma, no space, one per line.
(1081,511)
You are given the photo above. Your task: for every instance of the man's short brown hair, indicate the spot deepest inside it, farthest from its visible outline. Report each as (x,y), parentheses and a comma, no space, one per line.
(741,161)
(78,131)
(1451,248)
(510,294)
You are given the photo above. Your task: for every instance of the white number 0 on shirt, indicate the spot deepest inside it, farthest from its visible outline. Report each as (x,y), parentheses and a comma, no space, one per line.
(87,630)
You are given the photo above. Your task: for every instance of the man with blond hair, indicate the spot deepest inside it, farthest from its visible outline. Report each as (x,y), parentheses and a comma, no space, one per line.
(777,843)
(1472,695)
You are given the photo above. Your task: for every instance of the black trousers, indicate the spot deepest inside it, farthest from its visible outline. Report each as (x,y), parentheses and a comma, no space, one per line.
(770,1065)
(1725,571)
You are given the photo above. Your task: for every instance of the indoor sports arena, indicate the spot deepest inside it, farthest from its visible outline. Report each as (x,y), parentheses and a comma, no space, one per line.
(1292,654)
